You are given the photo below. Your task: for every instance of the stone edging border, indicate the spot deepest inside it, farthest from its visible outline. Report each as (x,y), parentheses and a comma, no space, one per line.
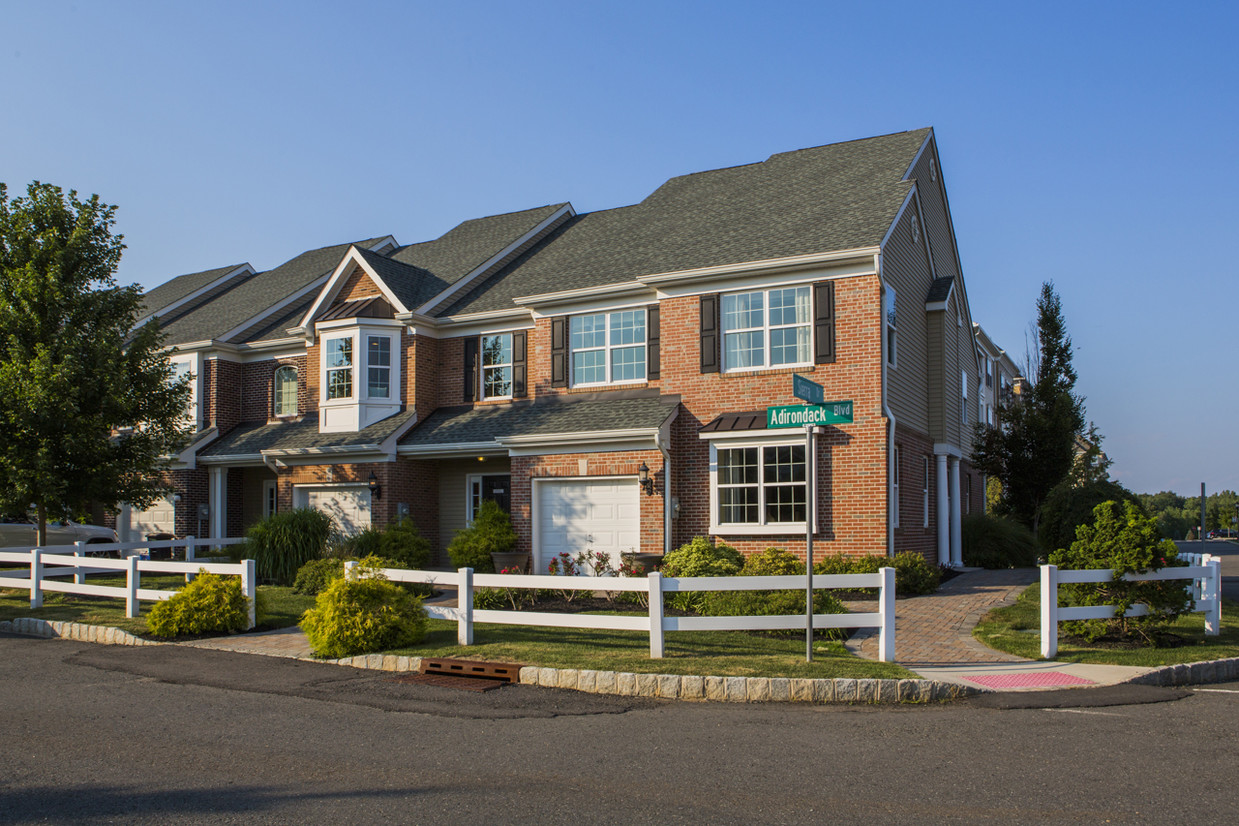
(674,686)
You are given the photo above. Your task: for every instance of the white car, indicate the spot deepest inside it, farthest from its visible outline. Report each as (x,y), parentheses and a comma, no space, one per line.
(21,532)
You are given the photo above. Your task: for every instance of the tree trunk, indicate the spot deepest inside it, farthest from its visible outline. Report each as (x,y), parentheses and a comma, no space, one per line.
(41,525)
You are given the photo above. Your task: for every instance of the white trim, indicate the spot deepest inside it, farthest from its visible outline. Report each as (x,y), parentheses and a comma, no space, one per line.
(274,308)
(180,302)
(384,243)
(556,217)
(907,173)
(452,450)
(362,409)
(898,216)
(482,366)
(608,348)
(336,281)
(196,362)
(568,297)
(751,267)
(942,448)
(605,303)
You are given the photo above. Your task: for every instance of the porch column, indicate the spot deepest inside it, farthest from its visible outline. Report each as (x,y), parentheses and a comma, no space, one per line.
(957,547)
(944,525)
(217,501)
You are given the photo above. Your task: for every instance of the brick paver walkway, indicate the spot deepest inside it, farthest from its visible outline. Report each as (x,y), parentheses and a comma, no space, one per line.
(937,629)
(285,642)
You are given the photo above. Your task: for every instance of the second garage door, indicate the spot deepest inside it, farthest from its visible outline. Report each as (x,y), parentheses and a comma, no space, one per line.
(349,507)
(578,515)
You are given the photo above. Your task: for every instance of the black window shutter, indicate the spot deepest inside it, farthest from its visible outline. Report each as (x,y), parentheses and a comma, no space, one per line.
(824,322)
(709,333)
(559,351)
(471,369)
(518,364)
(652,352)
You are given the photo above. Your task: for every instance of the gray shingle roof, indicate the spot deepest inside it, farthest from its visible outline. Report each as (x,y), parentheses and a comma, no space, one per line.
(248,439)
(465,425)
(835,197)
(181,286)
(939,290)
(215,316)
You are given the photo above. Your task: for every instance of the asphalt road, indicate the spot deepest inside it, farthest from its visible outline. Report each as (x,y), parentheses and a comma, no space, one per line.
(99,734)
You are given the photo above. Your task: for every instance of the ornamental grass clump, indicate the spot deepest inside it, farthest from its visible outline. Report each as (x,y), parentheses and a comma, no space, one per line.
(363,615)
(1125,540)
(211,604)
(282,543)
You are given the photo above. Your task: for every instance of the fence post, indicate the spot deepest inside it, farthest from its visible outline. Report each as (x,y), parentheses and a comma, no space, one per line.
(190,555)
(886,607)
(1049,611)
(464,607)
(132,582)
(249,587)
(36,578)
(655,580)
(79,573)
(1213,617)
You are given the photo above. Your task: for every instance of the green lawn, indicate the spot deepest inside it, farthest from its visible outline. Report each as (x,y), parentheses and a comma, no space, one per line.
(282,606)
(721,653)
(1015,629)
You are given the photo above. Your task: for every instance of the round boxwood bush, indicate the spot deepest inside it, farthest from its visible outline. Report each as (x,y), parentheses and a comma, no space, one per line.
(914,574)
(317,574)
(491,532)
(699,557)
(363,615)
(403,542)
(211,604)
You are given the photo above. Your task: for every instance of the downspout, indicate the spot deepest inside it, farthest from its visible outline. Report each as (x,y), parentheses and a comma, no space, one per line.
(886,411)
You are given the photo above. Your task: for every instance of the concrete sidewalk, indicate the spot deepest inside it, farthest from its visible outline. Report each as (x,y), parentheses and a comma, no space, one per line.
(933,637)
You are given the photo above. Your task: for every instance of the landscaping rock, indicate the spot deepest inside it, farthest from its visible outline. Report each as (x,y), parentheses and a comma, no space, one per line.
(716,689)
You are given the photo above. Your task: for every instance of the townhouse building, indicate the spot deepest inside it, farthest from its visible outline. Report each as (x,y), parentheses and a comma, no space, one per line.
(604,376)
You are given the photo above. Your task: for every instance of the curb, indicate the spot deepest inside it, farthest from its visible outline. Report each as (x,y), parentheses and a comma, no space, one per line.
(102,634)
(1208,671)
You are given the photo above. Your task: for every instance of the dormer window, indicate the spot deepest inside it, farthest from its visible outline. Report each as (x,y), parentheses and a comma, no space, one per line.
(338,358)
(284,391)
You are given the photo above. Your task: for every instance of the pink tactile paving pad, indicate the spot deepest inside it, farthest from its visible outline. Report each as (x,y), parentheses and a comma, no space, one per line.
(1035,679)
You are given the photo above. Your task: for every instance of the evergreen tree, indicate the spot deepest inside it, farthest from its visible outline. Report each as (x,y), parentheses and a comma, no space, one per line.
(1034,449)
(89,408)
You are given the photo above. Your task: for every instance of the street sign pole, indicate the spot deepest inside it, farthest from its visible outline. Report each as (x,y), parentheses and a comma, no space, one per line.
(810,507)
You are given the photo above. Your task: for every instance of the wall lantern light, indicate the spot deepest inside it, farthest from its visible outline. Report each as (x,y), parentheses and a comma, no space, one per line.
(376,492)
(643,477)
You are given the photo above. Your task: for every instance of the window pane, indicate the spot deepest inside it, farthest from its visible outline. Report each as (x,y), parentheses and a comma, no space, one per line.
(789,345)
(339,384)
(628,364)
(742,311)
(588,331)
(497,350)
(496,381)
(891,315)
(743,350)
(789,306)
(628,327)
(785,503)
(380,352)
(589,367)
(378,385)
(285,391)
(737,505)
(784,464)
(737,466)
(340,352)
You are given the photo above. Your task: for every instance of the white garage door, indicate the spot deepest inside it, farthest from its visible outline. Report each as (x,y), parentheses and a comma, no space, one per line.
(160,517)
(581,515)
(349,507)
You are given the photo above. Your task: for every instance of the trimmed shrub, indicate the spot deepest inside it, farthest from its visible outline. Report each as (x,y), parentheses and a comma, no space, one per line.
(699,557)
(491,532)
(317,574)
(363,615)
(993,542)
(771,562)
(1124,539)
(403,542)
(368,542)
(373,562)
(283,542)
(914,574)
(210,604)
(1068,506)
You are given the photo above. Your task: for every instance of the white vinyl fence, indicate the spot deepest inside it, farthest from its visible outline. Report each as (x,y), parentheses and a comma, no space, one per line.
(47,567)
(657,586)
(1203,581)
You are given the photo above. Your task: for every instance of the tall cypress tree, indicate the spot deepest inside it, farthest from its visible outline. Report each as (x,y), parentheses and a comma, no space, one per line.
(89,408)
(1034,448)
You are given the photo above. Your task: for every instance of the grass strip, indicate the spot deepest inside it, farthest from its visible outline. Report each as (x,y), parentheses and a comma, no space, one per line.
(1016,629)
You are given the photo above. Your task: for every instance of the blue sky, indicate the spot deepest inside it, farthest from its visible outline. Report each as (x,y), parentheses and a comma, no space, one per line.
(1087,143)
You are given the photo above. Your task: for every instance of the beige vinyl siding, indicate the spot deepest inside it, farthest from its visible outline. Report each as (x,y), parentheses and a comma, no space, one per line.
(251,493)
(951,364)
(905,267)
(937,220)
(454,493)
(936,374)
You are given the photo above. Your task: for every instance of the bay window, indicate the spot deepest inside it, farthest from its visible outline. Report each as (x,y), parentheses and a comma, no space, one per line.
(338,358)
(378,367)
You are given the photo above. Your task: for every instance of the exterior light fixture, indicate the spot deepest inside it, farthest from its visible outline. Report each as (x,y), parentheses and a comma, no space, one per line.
(376,492)
(643,478)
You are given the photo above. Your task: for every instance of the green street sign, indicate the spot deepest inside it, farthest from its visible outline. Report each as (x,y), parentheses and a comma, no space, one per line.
(799,415)
(810,391)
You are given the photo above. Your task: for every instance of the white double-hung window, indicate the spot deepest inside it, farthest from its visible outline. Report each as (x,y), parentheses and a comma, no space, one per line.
(608,348)
(378,367)
(497,366)
(758,488)
(338,361)
(767,328)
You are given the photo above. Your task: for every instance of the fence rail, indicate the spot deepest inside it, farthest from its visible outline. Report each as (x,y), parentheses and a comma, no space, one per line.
(44,564)
(656,586)
(1202,582)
